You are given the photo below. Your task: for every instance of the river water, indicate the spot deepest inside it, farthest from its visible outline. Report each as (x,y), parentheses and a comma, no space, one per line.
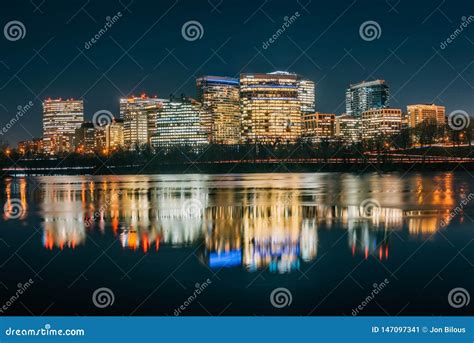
(249,244)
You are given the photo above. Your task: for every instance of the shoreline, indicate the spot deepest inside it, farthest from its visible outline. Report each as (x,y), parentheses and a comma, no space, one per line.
(241,168)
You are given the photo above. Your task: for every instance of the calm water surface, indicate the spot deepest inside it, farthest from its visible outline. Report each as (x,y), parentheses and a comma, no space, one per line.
(329,239)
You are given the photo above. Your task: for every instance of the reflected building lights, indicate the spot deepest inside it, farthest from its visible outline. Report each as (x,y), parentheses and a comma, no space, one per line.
(252,228)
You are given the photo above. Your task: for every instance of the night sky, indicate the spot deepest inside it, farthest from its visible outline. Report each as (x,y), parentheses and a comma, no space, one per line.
(144,51)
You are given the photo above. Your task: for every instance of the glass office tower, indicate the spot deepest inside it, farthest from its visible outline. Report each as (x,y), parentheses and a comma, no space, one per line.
(365,96)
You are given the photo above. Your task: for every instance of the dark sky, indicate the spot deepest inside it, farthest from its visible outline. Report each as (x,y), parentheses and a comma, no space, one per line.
(144,51)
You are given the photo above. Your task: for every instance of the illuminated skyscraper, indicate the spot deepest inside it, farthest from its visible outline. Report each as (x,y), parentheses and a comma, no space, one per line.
(307,96)
(419,113)
(220,99)
(114,135)
(61,118)
(384,122)
(139,119)
(271,108)
(364,96)
(181,124)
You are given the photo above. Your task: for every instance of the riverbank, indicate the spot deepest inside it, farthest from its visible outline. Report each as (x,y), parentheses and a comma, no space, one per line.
(248,167)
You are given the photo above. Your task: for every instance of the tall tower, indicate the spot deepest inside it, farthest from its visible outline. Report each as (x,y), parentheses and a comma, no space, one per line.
(220,99)
(365,96)
(271,108)
(61,118)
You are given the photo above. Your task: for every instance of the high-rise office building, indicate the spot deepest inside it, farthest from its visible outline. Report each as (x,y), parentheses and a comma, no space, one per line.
(364,96)
(271,108)
(84,138)
(114,135)
(139,119)
(348,129)
(383,122)
(307,96)
(422,112)
(319,126)
(181,124)
(220,99)
(61,118)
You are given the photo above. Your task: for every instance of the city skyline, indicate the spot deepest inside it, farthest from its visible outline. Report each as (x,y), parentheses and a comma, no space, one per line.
(410,58)
(263,108)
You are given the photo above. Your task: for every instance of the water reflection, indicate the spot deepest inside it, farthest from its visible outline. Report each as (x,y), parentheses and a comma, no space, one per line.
(256,221)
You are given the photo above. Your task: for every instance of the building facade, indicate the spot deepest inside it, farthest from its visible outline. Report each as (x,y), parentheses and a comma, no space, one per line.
(364,96)
(84,138)
(221,102)
(139,116)
(307,96)
(181,124)
(383,122)
(32,146)
(348,129)
(271,108)
(422,112)
(61,118)
(319,126)
(114,135)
